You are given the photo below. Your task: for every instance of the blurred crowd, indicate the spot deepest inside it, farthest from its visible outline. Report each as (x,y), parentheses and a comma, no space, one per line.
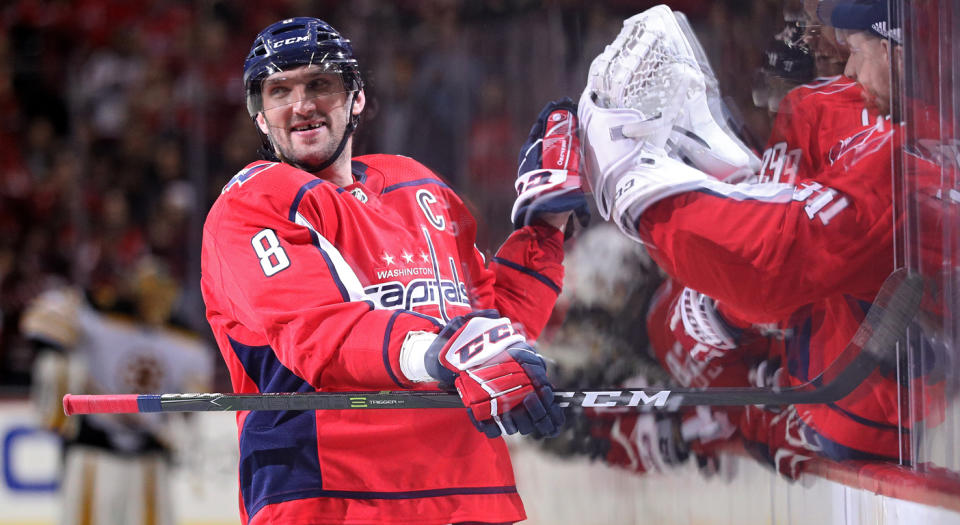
(122,121)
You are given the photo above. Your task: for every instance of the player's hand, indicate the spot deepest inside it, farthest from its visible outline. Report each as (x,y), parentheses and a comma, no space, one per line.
(639,442)
(780,439)
(501,379)
(548,177)
(703,322)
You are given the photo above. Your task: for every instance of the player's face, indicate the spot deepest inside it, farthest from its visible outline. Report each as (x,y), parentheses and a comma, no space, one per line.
(869,65)
(305,114)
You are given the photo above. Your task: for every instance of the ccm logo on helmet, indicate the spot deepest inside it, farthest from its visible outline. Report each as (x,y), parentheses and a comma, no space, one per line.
(293,40)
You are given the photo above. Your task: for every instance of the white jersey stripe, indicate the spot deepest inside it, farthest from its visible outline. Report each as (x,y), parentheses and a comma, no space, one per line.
(342,271)
(766,192)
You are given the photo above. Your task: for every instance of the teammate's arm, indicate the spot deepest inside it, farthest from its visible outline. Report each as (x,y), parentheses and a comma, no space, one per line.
(529,265)
(764,255)
(762,250)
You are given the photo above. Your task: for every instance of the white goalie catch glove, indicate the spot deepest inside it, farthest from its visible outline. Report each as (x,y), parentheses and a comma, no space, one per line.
(701,136)
(635,92)
(646,98)
(627,174)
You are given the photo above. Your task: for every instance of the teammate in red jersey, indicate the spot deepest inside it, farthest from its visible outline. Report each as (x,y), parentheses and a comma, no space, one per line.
(810,120)
(809,257)
(813,117)
(323,272)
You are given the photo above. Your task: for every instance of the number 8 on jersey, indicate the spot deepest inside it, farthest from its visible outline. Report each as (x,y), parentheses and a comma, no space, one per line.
(272,257)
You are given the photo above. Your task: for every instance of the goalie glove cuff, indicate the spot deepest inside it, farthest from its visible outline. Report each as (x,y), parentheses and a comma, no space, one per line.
(654,177)
(626,172)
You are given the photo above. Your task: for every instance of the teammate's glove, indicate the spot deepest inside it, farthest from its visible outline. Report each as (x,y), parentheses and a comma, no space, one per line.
(548,177)
(639,442)
(626,172)
(703,322)
(500,378)
(780,439)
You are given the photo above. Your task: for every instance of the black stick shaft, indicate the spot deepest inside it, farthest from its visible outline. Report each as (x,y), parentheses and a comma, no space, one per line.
(873,343)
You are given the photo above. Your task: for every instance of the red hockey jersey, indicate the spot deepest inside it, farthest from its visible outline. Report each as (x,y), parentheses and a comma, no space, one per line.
(313,287)
(812,119)
(810,257)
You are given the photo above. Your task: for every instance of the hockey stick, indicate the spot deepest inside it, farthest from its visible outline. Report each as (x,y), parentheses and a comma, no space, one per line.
(874,343)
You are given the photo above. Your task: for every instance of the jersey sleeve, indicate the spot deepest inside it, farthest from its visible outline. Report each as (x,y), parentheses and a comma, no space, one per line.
(271,278)
(766,250)
(529,276)
(525,277)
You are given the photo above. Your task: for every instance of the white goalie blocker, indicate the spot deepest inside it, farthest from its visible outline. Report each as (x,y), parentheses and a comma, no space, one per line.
(645,99)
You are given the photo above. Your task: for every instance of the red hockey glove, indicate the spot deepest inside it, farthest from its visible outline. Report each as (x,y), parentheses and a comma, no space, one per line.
(779,439)
(639,442)
(500,378)
(548,179)
(703,322)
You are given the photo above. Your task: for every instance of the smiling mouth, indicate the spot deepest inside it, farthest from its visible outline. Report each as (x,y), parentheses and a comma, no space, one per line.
(307,127)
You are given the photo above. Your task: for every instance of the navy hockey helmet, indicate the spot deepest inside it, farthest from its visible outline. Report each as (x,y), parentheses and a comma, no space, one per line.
(296,42)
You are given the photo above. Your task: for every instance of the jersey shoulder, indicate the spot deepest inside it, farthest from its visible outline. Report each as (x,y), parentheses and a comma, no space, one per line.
(266,189)
(265,177)
(395,171)
(833,91)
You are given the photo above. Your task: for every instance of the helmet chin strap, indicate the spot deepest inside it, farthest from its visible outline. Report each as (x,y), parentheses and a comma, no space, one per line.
(347,131)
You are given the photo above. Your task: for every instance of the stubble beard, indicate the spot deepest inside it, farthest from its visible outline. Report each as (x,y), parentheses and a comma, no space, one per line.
(318,153)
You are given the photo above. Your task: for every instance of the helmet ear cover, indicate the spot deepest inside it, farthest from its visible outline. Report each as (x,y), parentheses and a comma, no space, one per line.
(293,43)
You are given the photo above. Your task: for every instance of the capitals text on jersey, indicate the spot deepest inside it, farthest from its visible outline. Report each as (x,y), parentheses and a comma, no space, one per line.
(395,295)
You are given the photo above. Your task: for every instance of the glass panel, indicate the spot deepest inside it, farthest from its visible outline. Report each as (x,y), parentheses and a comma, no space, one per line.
(929,98)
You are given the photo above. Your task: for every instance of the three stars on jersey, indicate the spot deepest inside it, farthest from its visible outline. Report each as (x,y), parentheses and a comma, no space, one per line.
(390,260)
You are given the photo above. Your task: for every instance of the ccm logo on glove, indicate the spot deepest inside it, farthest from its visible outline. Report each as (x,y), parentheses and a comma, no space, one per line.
(492,335)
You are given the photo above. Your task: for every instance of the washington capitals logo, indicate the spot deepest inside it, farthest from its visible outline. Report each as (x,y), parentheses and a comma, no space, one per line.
(861,143)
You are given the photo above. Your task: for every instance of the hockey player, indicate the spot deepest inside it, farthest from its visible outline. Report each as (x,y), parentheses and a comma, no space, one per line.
(323,272)
(813,117)
(116,467)
(808,257)
(704,345)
